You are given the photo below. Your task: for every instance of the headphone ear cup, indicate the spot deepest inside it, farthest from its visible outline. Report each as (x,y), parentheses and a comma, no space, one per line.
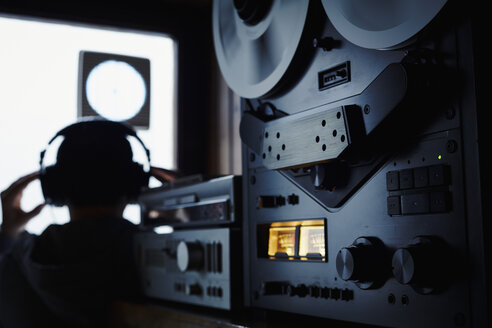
(137,179)
(51,185)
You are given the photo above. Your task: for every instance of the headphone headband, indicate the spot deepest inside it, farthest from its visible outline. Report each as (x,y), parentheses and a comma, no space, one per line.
(76,127)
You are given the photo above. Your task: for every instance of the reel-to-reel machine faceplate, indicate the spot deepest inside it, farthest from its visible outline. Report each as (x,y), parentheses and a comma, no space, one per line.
(357,174)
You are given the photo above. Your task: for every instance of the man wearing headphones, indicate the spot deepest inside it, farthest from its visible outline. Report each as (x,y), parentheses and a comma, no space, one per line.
(70,274)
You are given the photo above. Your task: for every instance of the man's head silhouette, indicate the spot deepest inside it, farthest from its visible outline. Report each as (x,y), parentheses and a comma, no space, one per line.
(94,166)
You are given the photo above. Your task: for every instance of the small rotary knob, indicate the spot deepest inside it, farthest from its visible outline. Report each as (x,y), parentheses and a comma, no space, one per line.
(190,256)
(364,262)
(422,264)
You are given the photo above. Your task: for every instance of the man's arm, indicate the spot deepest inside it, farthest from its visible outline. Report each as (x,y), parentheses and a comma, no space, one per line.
(14,217)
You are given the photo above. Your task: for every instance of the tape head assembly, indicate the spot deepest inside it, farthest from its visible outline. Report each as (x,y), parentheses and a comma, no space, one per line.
(91,163)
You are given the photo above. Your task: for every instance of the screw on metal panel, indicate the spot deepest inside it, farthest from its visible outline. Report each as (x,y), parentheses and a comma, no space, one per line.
(367,109)
(451,146)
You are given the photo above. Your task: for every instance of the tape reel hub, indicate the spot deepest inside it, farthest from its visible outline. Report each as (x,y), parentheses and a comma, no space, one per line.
(252,11)
(255,42)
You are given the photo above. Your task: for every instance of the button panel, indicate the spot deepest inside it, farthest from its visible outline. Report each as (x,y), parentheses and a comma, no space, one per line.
(420,190)
(302,291)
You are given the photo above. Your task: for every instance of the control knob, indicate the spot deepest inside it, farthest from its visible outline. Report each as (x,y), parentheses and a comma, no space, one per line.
(422,265)
(190,256)
(364,263)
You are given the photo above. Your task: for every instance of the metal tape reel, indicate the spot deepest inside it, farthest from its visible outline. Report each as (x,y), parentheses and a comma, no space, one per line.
(381,24)
(255,41)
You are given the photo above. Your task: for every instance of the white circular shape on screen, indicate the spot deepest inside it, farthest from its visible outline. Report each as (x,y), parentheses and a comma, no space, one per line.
(115,90)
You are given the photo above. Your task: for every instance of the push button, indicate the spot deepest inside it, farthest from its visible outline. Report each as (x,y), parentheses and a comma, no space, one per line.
(415,203)
(335,293)
(393,203)
(406,179)
(421,177)
(347,294)
(392,181)
(439,202)
(438,175)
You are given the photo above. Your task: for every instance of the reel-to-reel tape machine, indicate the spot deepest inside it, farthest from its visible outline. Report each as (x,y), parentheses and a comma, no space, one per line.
(360,180)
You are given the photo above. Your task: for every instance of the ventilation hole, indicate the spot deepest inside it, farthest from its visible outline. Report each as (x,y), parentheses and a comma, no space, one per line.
(317,138)
(269,148)
(283,147)
(264,155)
(334,133)
(266,134)
(342,138)
(323,147)
(278,157)
(339,115)
(323,123)
(278,135)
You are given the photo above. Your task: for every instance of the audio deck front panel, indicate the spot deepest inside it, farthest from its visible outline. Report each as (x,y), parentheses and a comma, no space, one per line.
(190,266)
(199,260)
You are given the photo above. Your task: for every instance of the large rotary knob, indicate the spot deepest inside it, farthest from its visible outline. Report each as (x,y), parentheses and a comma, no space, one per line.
(364,262)
(190,256)
(422,264)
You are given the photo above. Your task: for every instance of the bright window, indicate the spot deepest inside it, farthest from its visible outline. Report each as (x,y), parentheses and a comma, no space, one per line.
(39,67)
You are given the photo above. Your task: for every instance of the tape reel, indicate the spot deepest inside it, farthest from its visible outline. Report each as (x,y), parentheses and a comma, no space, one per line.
(381,24)
(255,42)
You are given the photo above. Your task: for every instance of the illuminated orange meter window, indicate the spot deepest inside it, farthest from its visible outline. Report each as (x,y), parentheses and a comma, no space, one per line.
(282,241)
(312,241)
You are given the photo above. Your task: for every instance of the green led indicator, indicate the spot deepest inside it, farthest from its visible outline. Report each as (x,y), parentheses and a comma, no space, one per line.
(439,156)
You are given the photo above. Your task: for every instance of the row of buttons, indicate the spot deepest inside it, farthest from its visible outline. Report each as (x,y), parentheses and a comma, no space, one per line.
(332,293)
(419,203)
(284,288)
(268,201)
(420,177)
(214,291)
(196,289)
